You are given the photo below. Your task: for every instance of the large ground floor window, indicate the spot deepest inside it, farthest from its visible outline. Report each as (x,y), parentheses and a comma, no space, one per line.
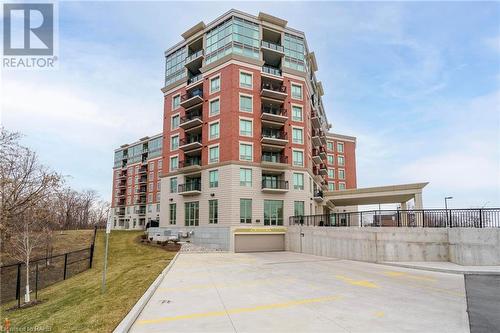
(273,212)
(191,213)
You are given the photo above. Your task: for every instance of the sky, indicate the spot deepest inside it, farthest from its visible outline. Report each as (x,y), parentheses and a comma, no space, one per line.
(418,84)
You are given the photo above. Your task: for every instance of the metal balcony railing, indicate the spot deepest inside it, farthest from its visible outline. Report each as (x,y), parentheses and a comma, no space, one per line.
(275,184)
(191,186)
(267,133)
(191,94)
(195,78)
(190,139)
(274,111)
(190,162)
(275,159)
(190,116)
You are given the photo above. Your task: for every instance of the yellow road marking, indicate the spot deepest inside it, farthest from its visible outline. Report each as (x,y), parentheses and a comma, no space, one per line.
(361,283)
(379,314)
(239,310)
(409,276)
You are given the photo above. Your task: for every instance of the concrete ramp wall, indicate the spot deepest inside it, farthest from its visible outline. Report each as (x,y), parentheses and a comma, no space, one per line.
(463,246)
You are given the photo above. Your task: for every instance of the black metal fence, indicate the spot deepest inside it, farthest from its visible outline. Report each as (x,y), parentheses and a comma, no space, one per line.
(43,272)
(425,218)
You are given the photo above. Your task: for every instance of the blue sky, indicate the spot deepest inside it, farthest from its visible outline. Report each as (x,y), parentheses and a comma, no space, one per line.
(418,83)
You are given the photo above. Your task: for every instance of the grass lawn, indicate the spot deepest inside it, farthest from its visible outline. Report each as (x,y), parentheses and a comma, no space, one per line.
(77,303)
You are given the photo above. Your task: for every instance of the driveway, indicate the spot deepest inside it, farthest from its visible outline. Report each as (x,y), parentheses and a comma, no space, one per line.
(292,292)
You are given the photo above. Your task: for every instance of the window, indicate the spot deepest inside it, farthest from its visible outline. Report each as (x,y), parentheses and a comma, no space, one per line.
(213,178)
(150,197)
(298,208)
(340,160)
(246,152)
(245,127)
(214,131)
(298,181)
(214,107)
(173,213)
(296,91)
(341,186)
(176,101)
(246,177)
(150,208)
(245,80)
(151,187)
(298,158)
(215,84)
(174,143)
(296,113)
(191,213)
(175,122)
(331,186)
(341,174)
(273,212)
(297,136)
(151,175)
(152,165)
(160,164)
(213,154)
(173,185)
(157,208)
(331,173)
(329,145)
(331,159)
(174,163)
(158,186)
(245,103)
(340,147)
(245,210)
(213,211)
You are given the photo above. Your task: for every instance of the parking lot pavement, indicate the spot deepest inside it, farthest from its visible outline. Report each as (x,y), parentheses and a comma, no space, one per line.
(483,298)
(292,292)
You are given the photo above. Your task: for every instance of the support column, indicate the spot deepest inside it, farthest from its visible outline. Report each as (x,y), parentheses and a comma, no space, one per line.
(404,214)
(418,207)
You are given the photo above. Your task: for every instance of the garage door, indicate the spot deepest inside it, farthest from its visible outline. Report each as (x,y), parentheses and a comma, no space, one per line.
(259,243)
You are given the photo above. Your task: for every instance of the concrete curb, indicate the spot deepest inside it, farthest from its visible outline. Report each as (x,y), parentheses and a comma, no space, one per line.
(441,270)
(131,317)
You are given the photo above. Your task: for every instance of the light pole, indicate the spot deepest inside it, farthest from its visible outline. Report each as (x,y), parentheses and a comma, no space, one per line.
(446,209)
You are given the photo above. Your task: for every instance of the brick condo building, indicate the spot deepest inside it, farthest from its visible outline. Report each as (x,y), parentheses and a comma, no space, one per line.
(246,139)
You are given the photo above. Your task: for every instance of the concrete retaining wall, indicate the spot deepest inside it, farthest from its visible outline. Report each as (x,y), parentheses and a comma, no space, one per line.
(461,246)
(474,246)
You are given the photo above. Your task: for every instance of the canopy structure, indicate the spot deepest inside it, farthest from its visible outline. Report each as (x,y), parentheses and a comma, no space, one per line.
(378,195)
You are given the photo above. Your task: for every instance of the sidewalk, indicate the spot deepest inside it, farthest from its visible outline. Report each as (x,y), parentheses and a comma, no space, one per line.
(446,267)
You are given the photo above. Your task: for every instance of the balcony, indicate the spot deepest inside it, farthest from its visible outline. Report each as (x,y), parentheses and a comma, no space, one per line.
(276,138)
(141,212)
(195,79)
(273,90)
(121,211)
(322,153)
(142,189)
(274,161)
(143,170)
(192,164)
(273,71)
(315,120)
(278,115)
(143,180)
(122,184)
(191,119)
(323,170)
(192,98)
(190,188)
(316,141)
(196,56)
(318,196)
(122,175)
(190,143)
(272,185)
(272,47)
(316,157)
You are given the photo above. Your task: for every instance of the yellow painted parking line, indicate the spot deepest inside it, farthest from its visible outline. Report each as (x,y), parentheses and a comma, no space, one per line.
(408,276)
(379,314)
(360,283)
(239,310)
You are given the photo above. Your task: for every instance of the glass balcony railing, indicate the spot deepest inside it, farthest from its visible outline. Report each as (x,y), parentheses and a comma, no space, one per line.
(272,46)
(275,184)
(191,186)
(275,158)
(274,111)
(195,78)
(193,56)
(271,70)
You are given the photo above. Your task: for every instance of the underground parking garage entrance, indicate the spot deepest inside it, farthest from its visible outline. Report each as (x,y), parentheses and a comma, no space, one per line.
(259,239)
